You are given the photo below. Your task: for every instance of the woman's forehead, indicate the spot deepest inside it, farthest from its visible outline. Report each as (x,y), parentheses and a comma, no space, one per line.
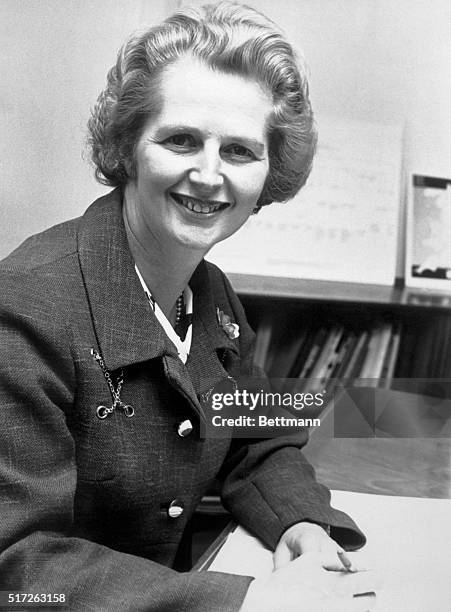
(194,94)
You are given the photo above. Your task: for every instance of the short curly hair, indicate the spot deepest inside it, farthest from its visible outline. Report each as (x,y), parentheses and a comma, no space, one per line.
(229,37)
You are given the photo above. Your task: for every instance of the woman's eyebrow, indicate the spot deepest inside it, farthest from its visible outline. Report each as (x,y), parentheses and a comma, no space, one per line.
(176,128)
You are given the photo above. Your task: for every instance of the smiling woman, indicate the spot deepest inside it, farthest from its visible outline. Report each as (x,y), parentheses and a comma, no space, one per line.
(114,330)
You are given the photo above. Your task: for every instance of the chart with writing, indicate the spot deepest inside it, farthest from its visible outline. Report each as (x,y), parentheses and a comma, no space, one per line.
(342,226)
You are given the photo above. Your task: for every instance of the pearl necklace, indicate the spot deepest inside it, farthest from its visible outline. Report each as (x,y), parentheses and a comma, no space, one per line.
(179,305)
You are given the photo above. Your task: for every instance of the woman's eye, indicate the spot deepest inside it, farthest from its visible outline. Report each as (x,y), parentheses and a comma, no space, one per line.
(240,153)
(181,141)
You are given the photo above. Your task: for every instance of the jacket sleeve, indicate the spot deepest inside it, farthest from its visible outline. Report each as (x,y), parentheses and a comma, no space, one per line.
(38,553)
(268,485)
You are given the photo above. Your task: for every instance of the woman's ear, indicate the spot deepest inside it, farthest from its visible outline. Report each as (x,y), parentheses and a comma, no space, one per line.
(129,167)
(126,155)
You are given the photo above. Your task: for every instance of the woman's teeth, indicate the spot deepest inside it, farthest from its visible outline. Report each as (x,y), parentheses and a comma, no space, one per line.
(199,206)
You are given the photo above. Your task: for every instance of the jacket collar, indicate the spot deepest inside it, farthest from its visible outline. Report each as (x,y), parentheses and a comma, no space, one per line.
(206,368)
(126,328)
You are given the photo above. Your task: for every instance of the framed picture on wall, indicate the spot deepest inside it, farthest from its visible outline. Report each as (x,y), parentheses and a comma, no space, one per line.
(428,244)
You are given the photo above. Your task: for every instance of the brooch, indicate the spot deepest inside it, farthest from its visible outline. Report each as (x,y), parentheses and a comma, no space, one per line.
(231,329)
(115,390)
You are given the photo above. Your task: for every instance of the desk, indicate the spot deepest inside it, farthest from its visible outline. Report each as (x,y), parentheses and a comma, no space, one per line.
(417,466)
(404,466)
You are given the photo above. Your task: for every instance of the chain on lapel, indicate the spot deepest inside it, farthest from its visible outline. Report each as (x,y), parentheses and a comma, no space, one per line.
(115,390)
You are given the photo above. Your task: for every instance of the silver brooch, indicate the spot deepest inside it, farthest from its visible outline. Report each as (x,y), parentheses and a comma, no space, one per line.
(115,390)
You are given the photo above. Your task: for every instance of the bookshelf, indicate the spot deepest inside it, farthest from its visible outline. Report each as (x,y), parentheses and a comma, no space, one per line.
(284,307)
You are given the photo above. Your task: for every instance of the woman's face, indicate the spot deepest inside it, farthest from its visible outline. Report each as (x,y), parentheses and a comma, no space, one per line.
(202,162)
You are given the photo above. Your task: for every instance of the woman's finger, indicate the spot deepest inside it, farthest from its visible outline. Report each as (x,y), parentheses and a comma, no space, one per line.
(282,556)
(357,584)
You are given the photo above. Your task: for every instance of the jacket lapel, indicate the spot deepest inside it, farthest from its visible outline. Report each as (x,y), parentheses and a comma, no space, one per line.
(210,342)
(126,328)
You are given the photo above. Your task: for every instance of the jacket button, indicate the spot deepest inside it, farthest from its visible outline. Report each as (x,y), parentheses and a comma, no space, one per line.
(175,508)
(185,428)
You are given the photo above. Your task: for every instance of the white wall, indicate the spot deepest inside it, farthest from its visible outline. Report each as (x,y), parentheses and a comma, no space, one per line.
(381,60)
(54,59)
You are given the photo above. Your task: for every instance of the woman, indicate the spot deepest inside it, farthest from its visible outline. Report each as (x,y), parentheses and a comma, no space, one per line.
(111,336)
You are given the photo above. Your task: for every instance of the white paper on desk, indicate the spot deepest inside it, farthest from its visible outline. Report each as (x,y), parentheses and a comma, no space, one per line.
(409,543)
(342,226)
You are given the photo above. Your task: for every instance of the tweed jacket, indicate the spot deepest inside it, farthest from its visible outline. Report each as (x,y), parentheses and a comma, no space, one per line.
(84,501)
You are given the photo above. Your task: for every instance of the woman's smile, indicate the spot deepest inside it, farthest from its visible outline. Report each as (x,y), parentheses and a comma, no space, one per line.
(198,206)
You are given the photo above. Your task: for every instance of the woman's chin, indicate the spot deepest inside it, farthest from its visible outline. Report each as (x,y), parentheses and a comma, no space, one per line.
(197,239)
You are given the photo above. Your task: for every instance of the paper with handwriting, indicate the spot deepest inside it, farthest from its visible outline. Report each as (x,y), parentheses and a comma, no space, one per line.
(409,542)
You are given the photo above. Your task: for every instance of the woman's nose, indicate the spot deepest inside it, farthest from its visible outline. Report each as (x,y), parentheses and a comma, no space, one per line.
(206,174)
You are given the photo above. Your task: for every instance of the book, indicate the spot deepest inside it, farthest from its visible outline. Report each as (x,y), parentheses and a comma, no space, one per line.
(313,354)
(336,358)
(324,362)
(407,349)
(304,352)
(374,360)
(344,354)
(358,355)
(262,342)
(388,367)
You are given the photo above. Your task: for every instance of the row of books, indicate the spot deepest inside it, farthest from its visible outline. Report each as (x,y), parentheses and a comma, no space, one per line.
(321,357)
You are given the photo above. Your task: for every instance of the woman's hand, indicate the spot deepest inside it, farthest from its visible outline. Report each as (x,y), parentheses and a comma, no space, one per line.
(303,538)
(305,585)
